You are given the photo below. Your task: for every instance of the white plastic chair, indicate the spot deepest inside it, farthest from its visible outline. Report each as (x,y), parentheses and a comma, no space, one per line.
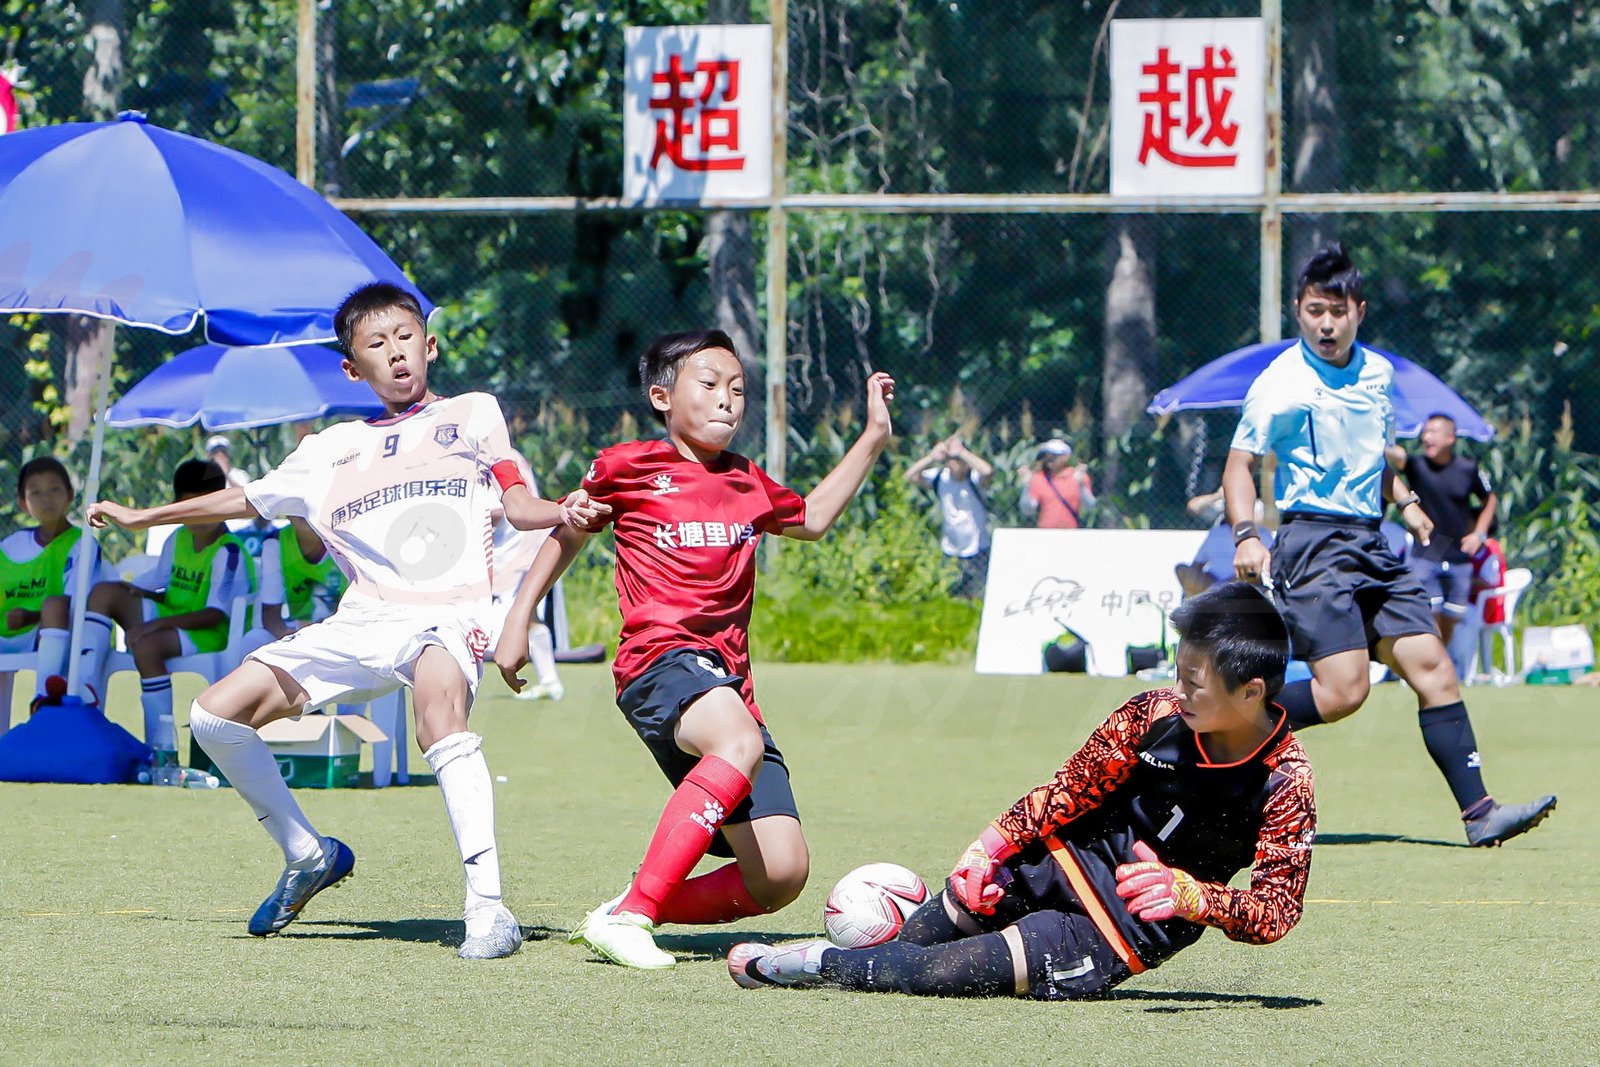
(211,666)
(1517,581)
(11,664)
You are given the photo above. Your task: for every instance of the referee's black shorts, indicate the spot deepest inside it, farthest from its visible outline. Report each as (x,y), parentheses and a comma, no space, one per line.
(1340,587)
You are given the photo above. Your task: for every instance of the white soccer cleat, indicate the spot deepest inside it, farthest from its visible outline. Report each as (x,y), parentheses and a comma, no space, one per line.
(576,936)
(552,691)
(626,938)
(753,965)
(491,937)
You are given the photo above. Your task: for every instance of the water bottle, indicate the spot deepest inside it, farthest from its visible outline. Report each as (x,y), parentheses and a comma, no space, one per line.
(164,769)
(194,778)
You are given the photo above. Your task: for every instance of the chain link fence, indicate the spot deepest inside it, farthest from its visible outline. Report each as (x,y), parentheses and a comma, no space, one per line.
(996,325)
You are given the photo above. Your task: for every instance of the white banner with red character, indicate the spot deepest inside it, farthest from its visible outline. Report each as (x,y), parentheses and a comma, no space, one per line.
(697,118)
(1188,107)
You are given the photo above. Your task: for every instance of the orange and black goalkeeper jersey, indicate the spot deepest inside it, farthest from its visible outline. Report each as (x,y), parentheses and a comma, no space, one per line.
(1143,775)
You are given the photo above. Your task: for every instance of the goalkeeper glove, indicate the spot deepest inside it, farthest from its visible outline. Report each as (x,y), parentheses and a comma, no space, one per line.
(972,882)
(1154,892)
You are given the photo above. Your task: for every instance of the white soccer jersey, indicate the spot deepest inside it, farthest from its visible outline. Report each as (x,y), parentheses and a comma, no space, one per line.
(1328,426)
(406,504)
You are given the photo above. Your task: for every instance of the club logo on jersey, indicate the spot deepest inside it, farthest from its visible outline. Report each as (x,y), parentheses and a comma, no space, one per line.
(593,475)
(663,484)
(446,435)
(710,818)
(348,457)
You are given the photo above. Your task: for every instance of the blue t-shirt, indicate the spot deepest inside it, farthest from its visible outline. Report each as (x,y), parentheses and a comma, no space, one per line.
(1328,427)
(1216,551)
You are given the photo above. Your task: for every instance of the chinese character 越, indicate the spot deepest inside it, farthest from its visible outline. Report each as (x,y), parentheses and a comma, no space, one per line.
(1203,97)
(689,119)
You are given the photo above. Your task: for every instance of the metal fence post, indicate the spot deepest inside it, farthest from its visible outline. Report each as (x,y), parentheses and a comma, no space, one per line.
(1271,212)
(778,253)
(305,96)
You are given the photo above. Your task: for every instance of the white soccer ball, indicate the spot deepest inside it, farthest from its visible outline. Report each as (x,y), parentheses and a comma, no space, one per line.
(870,904)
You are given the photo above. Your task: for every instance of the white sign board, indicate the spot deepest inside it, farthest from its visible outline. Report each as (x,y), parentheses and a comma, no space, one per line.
(1110,587)
(697,114)
(1188,107)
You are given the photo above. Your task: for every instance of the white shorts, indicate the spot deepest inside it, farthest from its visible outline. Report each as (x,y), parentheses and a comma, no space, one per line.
(26,641)
(366,649)
(185,642)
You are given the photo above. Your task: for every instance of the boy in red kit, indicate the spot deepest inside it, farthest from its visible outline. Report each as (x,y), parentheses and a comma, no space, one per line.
(688,516)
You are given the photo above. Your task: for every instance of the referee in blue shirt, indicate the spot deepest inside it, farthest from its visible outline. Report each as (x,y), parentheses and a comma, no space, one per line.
(1324,407)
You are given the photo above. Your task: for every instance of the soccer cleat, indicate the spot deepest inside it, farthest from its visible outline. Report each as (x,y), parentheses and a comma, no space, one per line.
(295,888)
(502,938)
(551,691)
(576,936)
(1502,822)
(753,965)
(625,938)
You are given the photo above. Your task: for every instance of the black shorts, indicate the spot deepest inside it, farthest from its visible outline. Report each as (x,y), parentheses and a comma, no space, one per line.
(652,704)
(1067,956)
(1448,584)
(1340,587)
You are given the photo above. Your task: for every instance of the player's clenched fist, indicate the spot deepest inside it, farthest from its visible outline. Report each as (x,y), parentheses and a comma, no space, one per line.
(1154,892)
(972,881)
(880,393)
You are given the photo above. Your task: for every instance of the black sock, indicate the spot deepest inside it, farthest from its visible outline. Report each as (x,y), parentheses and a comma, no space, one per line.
(930,925)
(1447,731)
(971,967)
(1298,703)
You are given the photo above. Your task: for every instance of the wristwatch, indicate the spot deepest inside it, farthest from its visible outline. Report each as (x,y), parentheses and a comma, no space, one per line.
(1414,498)
(1243,531)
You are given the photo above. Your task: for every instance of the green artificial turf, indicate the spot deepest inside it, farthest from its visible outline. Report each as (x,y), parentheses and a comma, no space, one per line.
(122,908)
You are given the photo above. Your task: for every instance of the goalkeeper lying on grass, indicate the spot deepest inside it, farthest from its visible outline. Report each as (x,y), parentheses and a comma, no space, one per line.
(1122,858)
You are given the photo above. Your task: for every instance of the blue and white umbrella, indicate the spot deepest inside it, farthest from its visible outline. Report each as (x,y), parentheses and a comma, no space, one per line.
(243,388)
(1223,383)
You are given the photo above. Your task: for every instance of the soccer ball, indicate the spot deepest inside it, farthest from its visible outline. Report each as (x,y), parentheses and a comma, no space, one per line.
(871,904)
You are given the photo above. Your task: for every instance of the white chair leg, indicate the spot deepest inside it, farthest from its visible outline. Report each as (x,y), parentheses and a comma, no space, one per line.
(388,713)
(6,680)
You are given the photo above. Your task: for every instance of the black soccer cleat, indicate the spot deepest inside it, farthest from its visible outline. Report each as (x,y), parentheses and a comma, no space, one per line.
(1502,822)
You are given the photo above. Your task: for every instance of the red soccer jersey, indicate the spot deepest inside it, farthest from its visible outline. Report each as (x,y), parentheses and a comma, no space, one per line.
(686,551)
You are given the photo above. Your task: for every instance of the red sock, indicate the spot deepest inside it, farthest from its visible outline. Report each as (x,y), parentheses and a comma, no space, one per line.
(718,897)
(690,820)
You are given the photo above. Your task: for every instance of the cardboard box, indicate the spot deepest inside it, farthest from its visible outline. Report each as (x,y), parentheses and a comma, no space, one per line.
(320,751)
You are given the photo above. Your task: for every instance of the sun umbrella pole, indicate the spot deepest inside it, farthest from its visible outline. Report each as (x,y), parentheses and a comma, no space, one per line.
(87,543)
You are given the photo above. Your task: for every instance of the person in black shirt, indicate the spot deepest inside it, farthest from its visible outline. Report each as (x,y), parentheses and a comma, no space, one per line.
(1459,499)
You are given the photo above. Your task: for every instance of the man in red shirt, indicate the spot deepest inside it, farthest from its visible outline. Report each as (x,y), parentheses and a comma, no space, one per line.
(689,515)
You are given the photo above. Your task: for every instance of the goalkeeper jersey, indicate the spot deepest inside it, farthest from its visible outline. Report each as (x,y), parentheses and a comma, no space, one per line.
(1143,775)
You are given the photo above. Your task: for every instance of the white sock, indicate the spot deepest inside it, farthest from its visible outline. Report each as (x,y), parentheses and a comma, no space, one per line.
(542,653)
(247,763)
(155,696)
(93,653)
(458,763)
(51,656)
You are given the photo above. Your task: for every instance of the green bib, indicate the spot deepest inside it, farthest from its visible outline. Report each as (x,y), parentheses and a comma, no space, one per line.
(304,582)
(25,585)
(189,585)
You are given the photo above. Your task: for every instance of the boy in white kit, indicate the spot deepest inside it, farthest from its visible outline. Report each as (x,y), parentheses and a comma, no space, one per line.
(406,505)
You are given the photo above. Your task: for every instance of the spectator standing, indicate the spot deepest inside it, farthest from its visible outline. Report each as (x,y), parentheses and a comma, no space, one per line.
(220,452)
(1057,494)
(958,477)
(1459,499)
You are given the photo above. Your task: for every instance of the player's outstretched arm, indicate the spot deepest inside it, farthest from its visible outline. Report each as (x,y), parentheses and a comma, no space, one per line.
(551,562)
(220,506)
(528,512)
(827,501)
(1252,562)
